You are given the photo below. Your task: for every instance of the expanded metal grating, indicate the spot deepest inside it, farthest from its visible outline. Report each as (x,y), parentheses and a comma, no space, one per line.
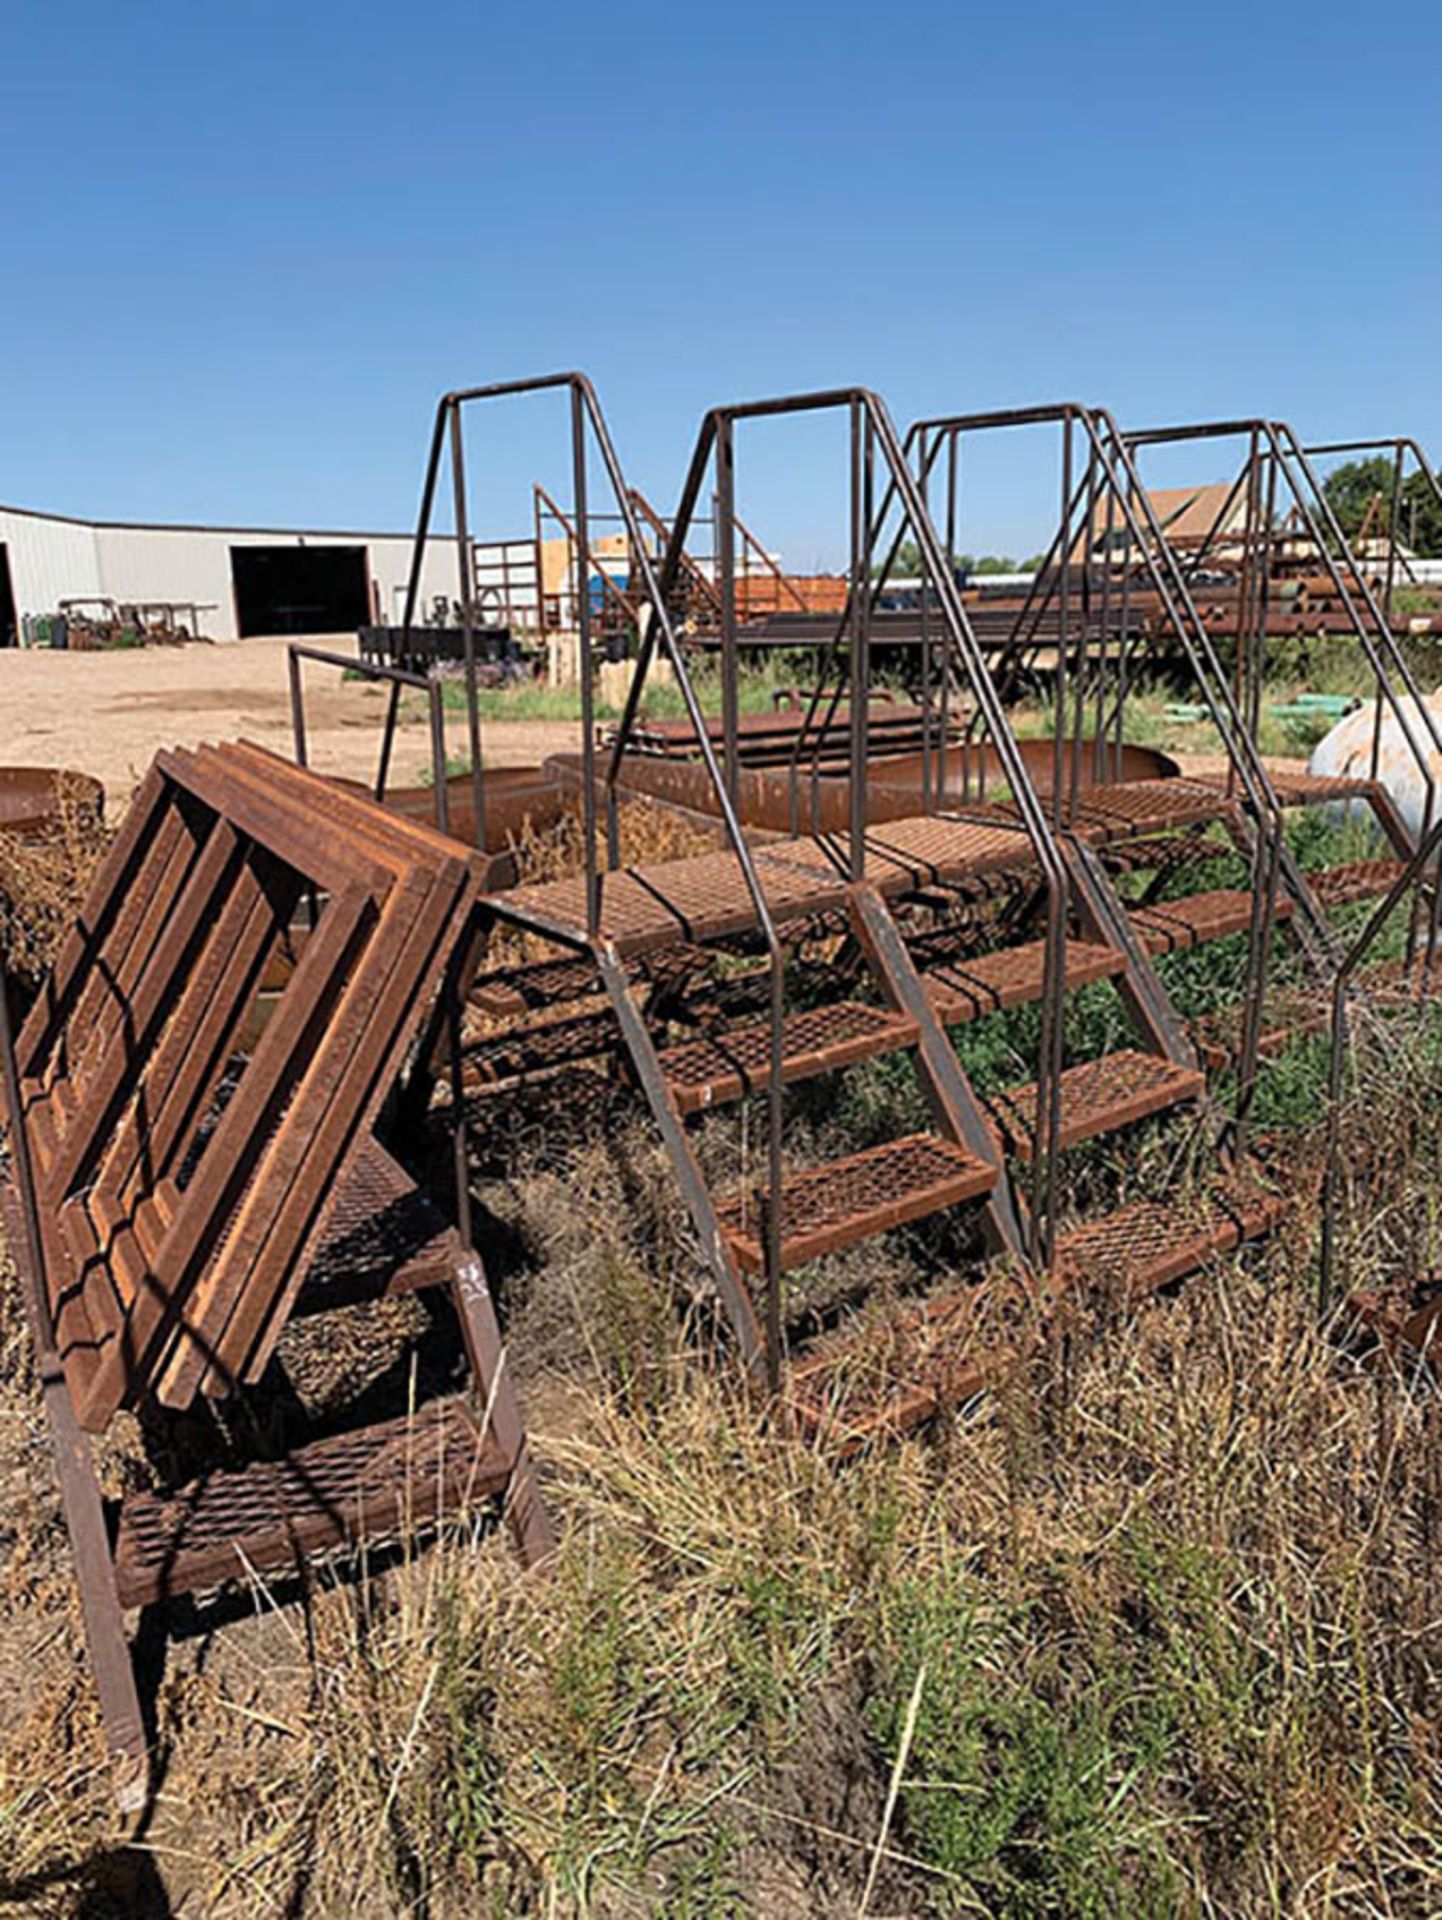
(546,983)
(882,1379)
(513,1055)
(1361,880)
(357,1486)
(726,1066)
(1172,926)
(1147,1245)
(705,897)
(887,1377)
(833,1206)
(383,1235)
(1308,789)
(699,898)
(1014,977)
(1098,1096)
(1130,807)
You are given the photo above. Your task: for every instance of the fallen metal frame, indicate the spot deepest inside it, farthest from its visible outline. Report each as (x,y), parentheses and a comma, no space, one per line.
(165,1225)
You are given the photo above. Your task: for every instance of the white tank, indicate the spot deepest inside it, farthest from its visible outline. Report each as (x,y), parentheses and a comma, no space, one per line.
(1347,749)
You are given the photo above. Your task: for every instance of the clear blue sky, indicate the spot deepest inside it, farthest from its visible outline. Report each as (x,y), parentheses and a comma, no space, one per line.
(246,246)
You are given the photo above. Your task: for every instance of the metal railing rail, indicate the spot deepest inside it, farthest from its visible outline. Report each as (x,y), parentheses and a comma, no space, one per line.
(588,426)
(873,436)
(1426,855)
(1110,484)
(397,678)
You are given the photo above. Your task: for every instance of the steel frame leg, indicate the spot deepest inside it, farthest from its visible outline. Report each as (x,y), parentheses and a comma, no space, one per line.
(105,1635)
(525,1510)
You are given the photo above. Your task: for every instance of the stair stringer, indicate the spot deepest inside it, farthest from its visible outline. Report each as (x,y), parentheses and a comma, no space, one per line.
(695,1193)
(959,1115)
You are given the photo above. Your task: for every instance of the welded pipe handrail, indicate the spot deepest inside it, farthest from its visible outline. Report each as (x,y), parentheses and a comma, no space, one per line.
(396,677)
(586,411)
(867,408)
(1106,451)
(1426,855)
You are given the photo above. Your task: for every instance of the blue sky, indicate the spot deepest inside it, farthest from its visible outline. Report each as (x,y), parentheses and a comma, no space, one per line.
(246,246)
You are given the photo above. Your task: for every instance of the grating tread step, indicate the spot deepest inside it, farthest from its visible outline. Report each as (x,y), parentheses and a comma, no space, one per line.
(728,1066)
(1293,1013)
(832,1206)
(1359,880)
(545,983)
(502,1057)
(884,1378)
(1147,1245)
(1174,926)
(1124,809)
(704,897)
(1098,1096)
(1014,977)
(354,1486)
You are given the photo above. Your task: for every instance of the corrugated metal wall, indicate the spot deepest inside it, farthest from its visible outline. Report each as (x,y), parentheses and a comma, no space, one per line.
(53,559)
(50,560)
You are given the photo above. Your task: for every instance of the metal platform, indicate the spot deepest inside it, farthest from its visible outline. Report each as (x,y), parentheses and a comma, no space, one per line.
(1360,880)
(1098,1096)
(1173,926)
(832,1206)
(705,897)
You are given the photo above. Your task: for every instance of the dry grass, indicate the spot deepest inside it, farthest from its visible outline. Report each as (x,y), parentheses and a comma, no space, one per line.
(44,877)
(1153,1631)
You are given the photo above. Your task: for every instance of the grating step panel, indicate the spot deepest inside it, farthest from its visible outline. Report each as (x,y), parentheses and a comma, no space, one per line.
(1174,926)
(704,897)
(728,1066)
(1290,1014)
(1014,977)
(354,1487)
(882,1380)
(383,1236)
(547,983)
(1303,789)
(1147,1245)
(1360,880)
(832,1206)
(1098,1097)
(502,1057)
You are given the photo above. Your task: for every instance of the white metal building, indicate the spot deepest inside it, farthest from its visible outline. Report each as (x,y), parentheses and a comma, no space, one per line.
(257,579)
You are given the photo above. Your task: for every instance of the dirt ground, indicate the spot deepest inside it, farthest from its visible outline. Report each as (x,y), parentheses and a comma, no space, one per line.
(108,713)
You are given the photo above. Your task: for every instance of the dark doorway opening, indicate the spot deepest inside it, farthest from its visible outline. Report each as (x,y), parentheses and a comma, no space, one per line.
(9,619)
(300,589)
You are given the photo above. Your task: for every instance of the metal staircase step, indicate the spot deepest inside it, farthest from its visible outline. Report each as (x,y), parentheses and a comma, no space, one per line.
(1098,1097)
(1146,1246)
(355,1487)
(535,986)
(522,1051)
(729,1065)
(1293,1013)
(832,1206)
(1014,977)
(1359,880)
(880,1380)
(527,989)
(1173,926)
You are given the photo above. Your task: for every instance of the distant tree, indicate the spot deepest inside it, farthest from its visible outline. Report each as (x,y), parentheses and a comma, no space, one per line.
(1421,518)
(1351,489)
